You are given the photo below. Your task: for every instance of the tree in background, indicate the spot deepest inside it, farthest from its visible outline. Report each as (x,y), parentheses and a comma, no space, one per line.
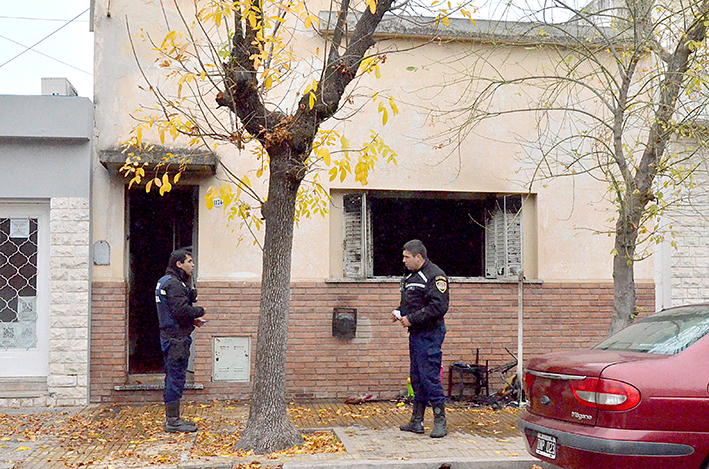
(232,69)
(622,82)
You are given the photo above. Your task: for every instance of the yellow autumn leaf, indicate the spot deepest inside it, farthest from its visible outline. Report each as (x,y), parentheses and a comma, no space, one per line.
(324,154)
(166,186)
(209,198)
(392,105)
(22,448)
(345,143)
(385,114)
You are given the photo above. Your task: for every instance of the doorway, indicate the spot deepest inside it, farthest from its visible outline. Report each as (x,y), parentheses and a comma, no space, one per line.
(157,225)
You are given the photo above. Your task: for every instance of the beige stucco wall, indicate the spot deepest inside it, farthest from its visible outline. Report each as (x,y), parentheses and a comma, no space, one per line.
(559,229)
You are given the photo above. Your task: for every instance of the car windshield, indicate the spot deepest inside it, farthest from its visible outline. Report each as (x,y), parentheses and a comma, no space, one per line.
(665,333)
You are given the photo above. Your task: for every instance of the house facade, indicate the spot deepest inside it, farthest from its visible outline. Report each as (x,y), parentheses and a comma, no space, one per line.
(45,286)
(682,258)
(469,202)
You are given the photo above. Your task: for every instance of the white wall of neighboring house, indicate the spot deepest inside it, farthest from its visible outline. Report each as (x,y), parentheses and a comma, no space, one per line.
(682,258)
(45,154)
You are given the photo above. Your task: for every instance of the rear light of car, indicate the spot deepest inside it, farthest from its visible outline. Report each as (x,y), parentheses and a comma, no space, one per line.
(528,381)
(606,394)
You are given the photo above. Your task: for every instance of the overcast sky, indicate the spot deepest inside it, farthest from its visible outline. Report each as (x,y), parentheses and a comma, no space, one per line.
(64,48)
(51,38)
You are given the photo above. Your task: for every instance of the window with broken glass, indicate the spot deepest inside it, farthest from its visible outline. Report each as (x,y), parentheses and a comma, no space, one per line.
(468,235)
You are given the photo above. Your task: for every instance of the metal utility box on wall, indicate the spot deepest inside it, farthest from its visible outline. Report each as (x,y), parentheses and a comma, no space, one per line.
(344,322)
(230,359)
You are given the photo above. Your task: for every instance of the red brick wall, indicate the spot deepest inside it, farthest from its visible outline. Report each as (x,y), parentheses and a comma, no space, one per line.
(109,323)
(482,315)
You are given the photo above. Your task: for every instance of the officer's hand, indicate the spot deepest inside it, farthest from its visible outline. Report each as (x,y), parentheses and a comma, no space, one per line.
(198,322)
(405,322)
(395,315)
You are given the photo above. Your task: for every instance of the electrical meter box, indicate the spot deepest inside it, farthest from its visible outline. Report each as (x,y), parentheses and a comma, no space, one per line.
(231,359)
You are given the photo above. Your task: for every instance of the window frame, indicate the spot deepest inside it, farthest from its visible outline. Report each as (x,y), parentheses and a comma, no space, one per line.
(503,257)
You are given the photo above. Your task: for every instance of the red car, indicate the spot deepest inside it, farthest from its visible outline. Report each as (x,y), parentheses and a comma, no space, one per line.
(639,399)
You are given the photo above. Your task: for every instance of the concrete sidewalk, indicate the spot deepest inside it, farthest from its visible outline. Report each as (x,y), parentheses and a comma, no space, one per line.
(337,435)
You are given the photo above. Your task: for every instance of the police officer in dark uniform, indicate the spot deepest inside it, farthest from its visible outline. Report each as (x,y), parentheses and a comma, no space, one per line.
(174,299)
(424,302)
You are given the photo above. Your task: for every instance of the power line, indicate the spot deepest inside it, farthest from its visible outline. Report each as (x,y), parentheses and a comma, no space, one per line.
(36,19)
(45,38)
(47,56)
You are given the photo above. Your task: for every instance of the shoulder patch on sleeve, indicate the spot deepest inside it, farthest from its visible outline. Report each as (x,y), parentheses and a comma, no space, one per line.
(441,284)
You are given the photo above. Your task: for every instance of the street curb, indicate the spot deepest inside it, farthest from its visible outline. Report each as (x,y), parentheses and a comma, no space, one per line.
(355,462)
(452,463)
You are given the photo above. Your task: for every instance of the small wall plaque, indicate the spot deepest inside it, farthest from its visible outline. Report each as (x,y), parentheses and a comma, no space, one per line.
(102,253)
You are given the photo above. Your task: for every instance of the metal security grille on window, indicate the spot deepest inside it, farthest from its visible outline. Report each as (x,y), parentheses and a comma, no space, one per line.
(18,283)
(503,238)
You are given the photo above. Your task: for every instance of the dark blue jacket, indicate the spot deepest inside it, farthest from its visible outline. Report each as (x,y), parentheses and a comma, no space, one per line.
(174,299)
(424,297)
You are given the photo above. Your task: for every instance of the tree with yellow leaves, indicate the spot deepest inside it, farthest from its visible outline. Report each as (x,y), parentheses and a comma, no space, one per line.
(235,56)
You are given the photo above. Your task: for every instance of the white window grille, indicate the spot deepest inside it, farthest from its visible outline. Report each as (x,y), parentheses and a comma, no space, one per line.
(18,283)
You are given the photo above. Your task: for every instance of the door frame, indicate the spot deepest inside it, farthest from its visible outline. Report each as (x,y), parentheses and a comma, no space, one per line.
(192,192)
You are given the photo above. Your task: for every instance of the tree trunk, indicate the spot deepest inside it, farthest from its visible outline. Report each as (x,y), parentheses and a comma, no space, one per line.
(268,428)
(624,295)
(288,141)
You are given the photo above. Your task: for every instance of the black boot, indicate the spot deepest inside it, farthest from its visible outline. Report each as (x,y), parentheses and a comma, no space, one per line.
(415,425)
(439,422)
(173,422)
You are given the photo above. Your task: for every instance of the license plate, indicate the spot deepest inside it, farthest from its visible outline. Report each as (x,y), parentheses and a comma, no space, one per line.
(546,446)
